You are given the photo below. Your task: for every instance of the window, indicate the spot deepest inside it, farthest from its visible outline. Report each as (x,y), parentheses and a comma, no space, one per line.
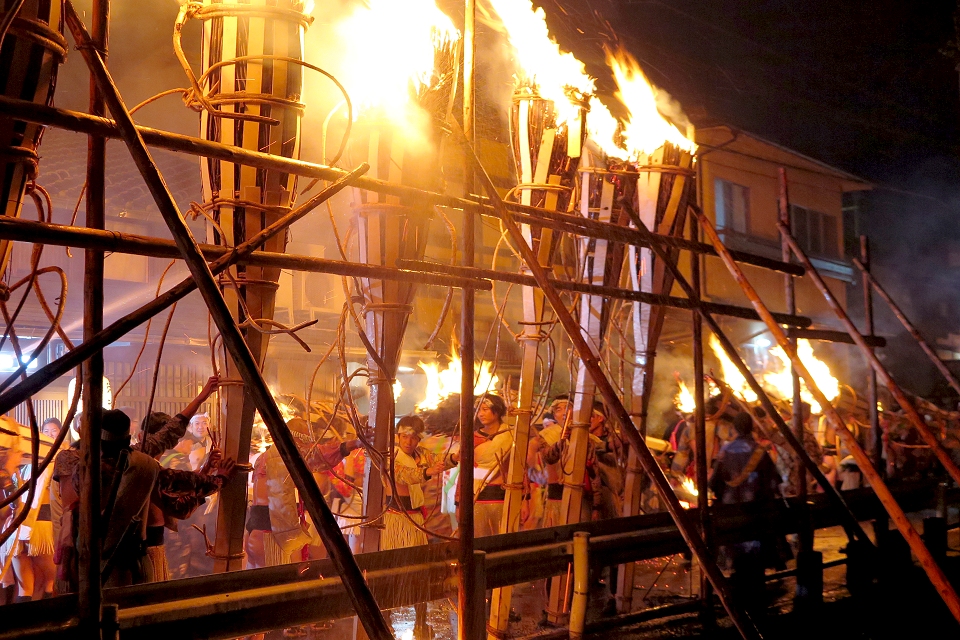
(817,233)
(732,206)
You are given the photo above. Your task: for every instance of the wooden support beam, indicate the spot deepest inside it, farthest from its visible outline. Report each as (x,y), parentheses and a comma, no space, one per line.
(603,291)
(826,335)
(363,601)
(84,123)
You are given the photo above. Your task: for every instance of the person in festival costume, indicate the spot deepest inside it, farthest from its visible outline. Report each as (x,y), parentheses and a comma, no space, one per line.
(26,557)
(547,475)
(291,536)
(160,516)
(403,522)
(134,486)
(492,441)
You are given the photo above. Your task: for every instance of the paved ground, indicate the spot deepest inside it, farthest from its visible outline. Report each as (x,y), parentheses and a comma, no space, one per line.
(901,605)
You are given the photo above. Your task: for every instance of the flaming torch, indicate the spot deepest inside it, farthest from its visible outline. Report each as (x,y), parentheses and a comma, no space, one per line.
(403,100)
(32,51)
(248,96)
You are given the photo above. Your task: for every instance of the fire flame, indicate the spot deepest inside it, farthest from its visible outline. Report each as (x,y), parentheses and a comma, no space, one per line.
(390,52)
(731,375)
(397,390)
(441,384)
(543,65)
(781,382)
(690,486)
(645,129)
(684,399)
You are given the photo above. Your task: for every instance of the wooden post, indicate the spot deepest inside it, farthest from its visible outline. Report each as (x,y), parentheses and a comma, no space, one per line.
(790,294)
(471,613)
(343,560)
(88,543)
(927,561)
(700,422)
(876,445)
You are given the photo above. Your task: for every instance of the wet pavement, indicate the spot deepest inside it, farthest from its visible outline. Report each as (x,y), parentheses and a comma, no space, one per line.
(902,604)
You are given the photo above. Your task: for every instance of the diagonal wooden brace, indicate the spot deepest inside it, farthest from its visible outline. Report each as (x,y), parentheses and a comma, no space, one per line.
(363,601)
(929,564)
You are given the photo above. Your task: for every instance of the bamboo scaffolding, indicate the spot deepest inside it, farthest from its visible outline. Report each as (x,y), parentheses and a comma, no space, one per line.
(906,404)
(363,600)
(936,575)
(739,617)
(909,326)
(84,123)
(653,299)
(117,242)
(50,372)
(790,295)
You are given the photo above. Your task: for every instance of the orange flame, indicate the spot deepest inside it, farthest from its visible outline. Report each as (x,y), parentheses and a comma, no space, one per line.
(781,382)
(684,399)
(443,383)
(390,52)
(553,72)
(645,129)
(731,375)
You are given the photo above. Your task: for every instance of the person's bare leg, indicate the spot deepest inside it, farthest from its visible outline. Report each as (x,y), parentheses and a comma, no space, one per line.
(45,575)
(23,567)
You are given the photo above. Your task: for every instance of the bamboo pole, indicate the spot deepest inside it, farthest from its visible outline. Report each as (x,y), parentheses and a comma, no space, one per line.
(18,229)
(88,540)
(653,299)
(84,123)
(471,619)
(936,575)
(50,372)
(790,293)
(591,359)
(874,413)
(909,326)
(700,417)
(344,561)
(905,403)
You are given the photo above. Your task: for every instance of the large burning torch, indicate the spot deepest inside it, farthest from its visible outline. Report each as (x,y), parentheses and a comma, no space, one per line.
(402,103)
(33,48)
(248,95)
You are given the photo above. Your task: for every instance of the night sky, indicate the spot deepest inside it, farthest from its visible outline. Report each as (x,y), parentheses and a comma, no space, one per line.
(862,86)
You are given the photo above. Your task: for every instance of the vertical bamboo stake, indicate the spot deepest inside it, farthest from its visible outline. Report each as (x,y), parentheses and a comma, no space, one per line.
(789,289)
(864,265)
(470,621)
(90,596)
(699,417)
(936,575)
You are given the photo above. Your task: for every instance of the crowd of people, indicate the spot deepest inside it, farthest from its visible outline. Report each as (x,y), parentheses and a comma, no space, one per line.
(162,478)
